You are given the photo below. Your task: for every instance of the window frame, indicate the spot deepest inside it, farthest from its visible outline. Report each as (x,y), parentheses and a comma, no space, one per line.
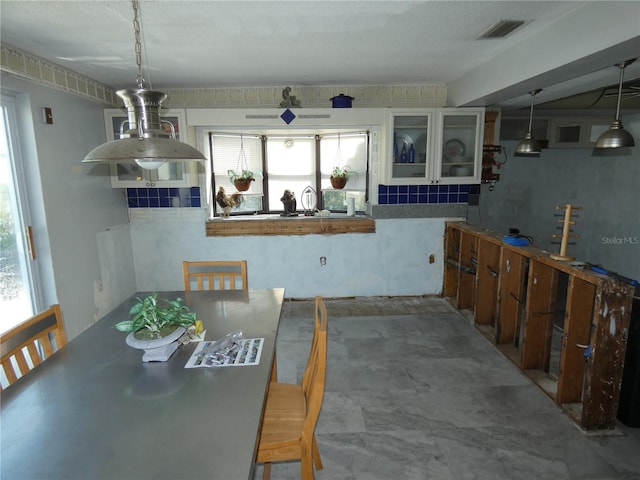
(264,176)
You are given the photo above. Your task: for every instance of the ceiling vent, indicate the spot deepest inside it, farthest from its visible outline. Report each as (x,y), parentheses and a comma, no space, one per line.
(501,29)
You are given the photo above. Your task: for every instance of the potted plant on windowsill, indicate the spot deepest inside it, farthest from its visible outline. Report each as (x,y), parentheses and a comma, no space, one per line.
(242,180)
(340,176)
(155,325)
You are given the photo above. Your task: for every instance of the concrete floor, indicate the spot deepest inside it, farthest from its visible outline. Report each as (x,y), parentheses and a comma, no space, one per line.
(414,392)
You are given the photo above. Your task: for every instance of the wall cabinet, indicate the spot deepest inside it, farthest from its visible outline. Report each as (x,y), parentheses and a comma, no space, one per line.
(130,175)
(434,146)
(565,327)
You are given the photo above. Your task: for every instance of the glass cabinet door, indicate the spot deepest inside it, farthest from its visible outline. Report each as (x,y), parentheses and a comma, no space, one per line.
(131,175)
(125,175)
(410,145)
(459,146)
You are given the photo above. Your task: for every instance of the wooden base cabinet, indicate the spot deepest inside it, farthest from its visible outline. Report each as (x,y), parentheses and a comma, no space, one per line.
(563,326)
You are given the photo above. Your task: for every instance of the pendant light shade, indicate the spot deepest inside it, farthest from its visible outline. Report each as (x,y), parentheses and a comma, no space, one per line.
(147,141)
(617,136)
(529,146)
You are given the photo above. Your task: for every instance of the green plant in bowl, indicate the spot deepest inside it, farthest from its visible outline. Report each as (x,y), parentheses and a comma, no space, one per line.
(154,318)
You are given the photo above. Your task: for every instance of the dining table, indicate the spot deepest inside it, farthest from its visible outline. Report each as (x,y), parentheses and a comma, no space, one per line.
(95,410)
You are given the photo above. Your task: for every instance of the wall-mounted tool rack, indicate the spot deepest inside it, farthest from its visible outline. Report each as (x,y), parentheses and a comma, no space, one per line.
(514,294)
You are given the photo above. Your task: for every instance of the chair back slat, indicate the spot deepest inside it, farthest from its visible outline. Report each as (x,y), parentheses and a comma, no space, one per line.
(46,345)
(28,344)
(215,275)
(34,355)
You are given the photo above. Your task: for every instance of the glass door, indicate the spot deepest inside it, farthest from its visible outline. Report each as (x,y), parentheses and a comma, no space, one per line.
(459,146)
(17,279)
(410,146)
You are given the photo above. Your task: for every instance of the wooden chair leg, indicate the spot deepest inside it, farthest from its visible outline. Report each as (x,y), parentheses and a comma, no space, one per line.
(306,467)
(274,368)
(316,454)
(266,472)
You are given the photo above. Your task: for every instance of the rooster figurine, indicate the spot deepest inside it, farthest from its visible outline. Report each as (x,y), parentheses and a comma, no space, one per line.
(227,202)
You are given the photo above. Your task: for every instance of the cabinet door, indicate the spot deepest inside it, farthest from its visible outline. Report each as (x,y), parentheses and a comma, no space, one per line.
(126,175)
(409,146)
(458,151)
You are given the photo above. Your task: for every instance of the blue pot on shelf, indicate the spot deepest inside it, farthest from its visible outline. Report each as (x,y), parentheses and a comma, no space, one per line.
(341,101)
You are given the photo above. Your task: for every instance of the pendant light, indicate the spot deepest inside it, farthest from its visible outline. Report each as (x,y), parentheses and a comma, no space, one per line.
(617,136)
(529,146)
(145,141)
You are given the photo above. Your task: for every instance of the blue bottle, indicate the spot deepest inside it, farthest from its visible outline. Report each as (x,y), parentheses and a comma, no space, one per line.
(403,154)
(412,154)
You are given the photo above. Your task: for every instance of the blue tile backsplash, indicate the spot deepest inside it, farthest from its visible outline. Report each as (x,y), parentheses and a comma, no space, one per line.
(410,194)
(163,197)
(387,195)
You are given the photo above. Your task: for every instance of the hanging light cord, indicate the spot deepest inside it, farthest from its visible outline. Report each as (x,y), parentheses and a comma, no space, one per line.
(136,28)
(622,67)
(533,96)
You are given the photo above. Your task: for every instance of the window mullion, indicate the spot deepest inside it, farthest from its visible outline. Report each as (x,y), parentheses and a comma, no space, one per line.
(212,179)
(366,175)
(318,174)
(265,175)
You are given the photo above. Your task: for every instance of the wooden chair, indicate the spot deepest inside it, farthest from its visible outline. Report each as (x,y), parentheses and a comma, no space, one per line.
(210,275)
(219,275)
(291,412)
(28,344)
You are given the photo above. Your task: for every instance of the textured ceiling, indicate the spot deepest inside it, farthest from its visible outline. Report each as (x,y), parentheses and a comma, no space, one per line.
(190,44)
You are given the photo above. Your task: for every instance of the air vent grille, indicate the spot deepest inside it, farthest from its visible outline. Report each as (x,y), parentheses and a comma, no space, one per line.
(501,29)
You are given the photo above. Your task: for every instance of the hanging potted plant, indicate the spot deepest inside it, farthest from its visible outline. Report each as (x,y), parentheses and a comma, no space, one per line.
(340,173)
(339,176)
(241,177)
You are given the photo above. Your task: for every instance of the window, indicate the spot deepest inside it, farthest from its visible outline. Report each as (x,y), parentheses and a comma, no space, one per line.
(225,156)
(289,162)
(19,280)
